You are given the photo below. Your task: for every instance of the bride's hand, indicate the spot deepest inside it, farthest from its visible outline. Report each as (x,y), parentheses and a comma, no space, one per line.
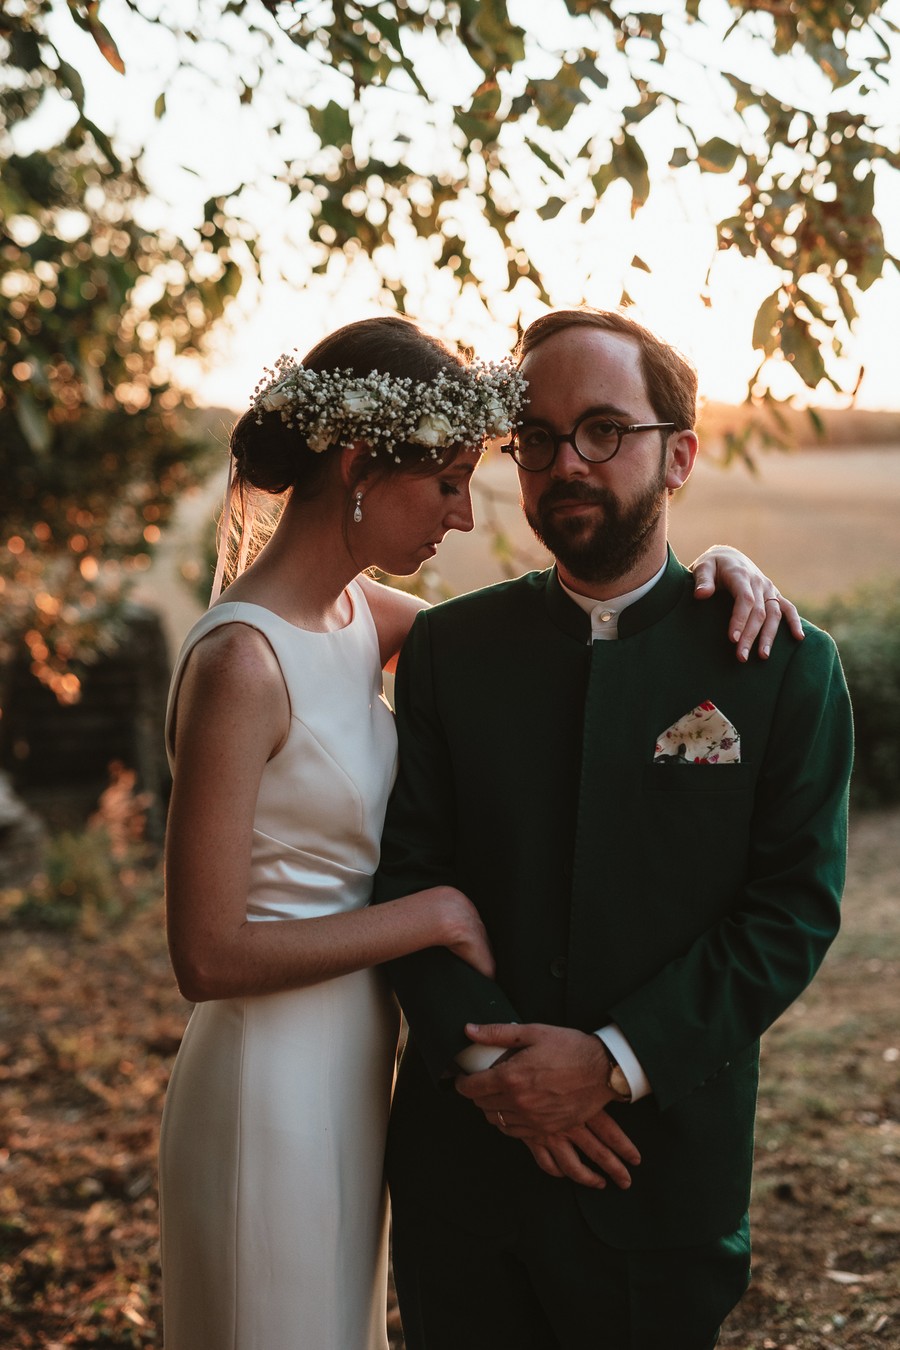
(723,567)
(463,931)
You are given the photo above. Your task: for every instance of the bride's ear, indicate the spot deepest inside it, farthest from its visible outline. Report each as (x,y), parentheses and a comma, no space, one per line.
(357,462)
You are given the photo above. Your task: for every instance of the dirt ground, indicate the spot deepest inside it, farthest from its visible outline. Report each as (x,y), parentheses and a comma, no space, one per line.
(90,1022)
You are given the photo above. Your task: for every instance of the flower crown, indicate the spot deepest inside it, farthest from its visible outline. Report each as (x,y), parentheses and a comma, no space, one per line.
(337,407)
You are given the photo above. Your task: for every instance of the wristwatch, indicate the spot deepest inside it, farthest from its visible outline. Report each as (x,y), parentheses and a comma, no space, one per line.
(615,1079)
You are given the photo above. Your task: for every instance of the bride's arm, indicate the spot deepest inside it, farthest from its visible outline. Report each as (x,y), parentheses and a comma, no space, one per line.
(233,715)
(723,567)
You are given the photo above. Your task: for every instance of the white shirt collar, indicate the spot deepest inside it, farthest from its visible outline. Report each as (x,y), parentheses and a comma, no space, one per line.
(605,613)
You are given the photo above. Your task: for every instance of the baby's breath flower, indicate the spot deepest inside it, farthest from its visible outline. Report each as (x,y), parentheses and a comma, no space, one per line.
(338,408)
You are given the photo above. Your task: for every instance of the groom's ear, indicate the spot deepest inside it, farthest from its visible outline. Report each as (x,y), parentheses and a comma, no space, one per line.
(680,457)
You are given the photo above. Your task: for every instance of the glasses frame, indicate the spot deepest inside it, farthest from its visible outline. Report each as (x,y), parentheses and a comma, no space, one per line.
(558,440)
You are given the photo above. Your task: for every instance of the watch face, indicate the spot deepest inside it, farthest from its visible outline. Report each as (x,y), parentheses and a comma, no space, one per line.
(619,1083)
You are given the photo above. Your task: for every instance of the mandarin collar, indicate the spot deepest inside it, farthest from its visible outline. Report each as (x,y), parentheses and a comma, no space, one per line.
(652,607)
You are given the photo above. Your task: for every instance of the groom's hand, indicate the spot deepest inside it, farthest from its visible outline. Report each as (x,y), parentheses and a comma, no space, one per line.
(552,1080)
(549,1090)
(599,1142)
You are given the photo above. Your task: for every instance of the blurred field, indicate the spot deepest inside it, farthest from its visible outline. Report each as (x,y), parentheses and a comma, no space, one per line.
(818,521)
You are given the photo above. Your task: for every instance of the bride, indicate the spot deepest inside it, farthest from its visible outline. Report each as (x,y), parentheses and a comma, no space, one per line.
(273,1213)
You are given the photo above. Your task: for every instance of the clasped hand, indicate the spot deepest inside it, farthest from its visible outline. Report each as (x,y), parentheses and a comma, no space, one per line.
(550,1090)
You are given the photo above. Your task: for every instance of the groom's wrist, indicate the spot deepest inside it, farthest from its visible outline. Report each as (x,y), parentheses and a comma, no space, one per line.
(621,1053)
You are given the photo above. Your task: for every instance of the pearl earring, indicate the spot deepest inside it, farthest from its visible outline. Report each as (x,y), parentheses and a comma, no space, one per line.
(357,514)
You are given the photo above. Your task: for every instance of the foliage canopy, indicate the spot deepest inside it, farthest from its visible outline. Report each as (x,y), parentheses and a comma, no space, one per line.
(422,134)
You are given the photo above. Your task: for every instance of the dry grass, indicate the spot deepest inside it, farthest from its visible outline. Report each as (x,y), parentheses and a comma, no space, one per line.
(89,1026)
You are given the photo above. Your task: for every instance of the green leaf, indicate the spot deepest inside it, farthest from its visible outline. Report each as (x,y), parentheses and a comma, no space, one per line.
(845,300)
(159,107)
(104,143)
(69,77)
(331,124)
(551,208)
(812,304)
(734,232)
(588,69)
(545,157)
(717,156)
(24,49)
(768,317)
(388,27)
(601,180)
(631,164)
(556,99)
(818,422)
(801,349)
(492,40)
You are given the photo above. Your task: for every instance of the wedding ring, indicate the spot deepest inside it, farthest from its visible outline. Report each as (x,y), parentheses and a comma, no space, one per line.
(500,1121)
(771,600)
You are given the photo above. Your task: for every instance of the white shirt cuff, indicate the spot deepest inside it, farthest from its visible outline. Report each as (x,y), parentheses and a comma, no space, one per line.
(476,1058)
(621,1051)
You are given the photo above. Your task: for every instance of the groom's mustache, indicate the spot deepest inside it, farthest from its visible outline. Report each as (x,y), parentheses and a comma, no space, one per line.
(564,493)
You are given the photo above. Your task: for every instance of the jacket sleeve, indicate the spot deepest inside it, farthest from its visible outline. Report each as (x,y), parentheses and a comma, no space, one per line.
(438,991)
(702,1009)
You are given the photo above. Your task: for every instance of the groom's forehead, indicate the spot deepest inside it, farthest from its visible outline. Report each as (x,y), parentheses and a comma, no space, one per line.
(587,367)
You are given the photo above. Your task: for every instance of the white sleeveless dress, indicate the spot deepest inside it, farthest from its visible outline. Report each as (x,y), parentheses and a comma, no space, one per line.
(272,1201)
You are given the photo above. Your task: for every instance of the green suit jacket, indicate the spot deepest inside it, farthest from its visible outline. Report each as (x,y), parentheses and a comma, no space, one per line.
(689,904)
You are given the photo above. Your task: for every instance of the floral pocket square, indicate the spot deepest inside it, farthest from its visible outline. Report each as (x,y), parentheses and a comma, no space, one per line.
(702,736)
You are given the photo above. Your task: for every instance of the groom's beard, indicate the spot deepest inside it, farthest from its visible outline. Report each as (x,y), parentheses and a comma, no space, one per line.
(598,550)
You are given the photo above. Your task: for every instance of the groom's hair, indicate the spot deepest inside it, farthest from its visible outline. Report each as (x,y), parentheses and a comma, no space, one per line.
(670,378)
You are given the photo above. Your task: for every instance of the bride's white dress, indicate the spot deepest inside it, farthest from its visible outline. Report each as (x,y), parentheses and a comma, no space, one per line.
(273,1211)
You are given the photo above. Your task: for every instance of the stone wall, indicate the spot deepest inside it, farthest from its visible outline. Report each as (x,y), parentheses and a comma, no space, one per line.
(54,754)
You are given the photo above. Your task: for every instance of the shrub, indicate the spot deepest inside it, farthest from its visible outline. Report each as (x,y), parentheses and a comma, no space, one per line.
(95,875)
(865,624)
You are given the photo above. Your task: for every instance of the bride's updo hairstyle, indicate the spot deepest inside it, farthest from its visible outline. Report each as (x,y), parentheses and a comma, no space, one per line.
(272,456)
(380,383)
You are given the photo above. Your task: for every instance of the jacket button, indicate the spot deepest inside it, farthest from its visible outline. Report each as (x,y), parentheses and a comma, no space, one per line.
(558,967)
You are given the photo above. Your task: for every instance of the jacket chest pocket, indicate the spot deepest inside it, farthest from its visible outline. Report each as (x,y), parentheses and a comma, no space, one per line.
(695,830)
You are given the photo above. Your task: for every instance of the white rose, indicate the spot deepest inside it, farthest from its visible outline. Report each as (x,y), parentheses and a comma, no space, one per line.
(357,400)
(275,399)
(499,419)
(433,431)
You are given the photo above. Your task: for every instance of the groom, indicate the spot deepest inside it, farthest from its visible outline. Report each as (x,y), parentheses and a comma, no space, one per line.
(655,838)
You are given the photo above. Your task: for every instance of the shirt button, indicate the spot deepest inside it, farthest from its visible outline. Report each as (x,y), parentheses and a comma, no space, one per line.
(606,616)
(558,967)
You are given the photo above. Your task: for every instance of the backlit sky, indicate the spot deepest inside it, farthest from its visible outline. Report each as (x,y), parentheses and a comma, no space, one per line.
(204,144)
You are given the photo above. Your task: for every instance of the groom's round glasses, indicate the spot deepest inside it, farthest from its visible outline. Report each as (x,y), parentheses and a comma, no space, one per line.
(594,437)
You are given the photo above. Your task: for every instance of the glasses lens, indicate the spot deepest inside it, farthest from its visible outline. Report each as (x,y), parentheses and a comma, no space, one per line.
(535,447)
(597,438)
